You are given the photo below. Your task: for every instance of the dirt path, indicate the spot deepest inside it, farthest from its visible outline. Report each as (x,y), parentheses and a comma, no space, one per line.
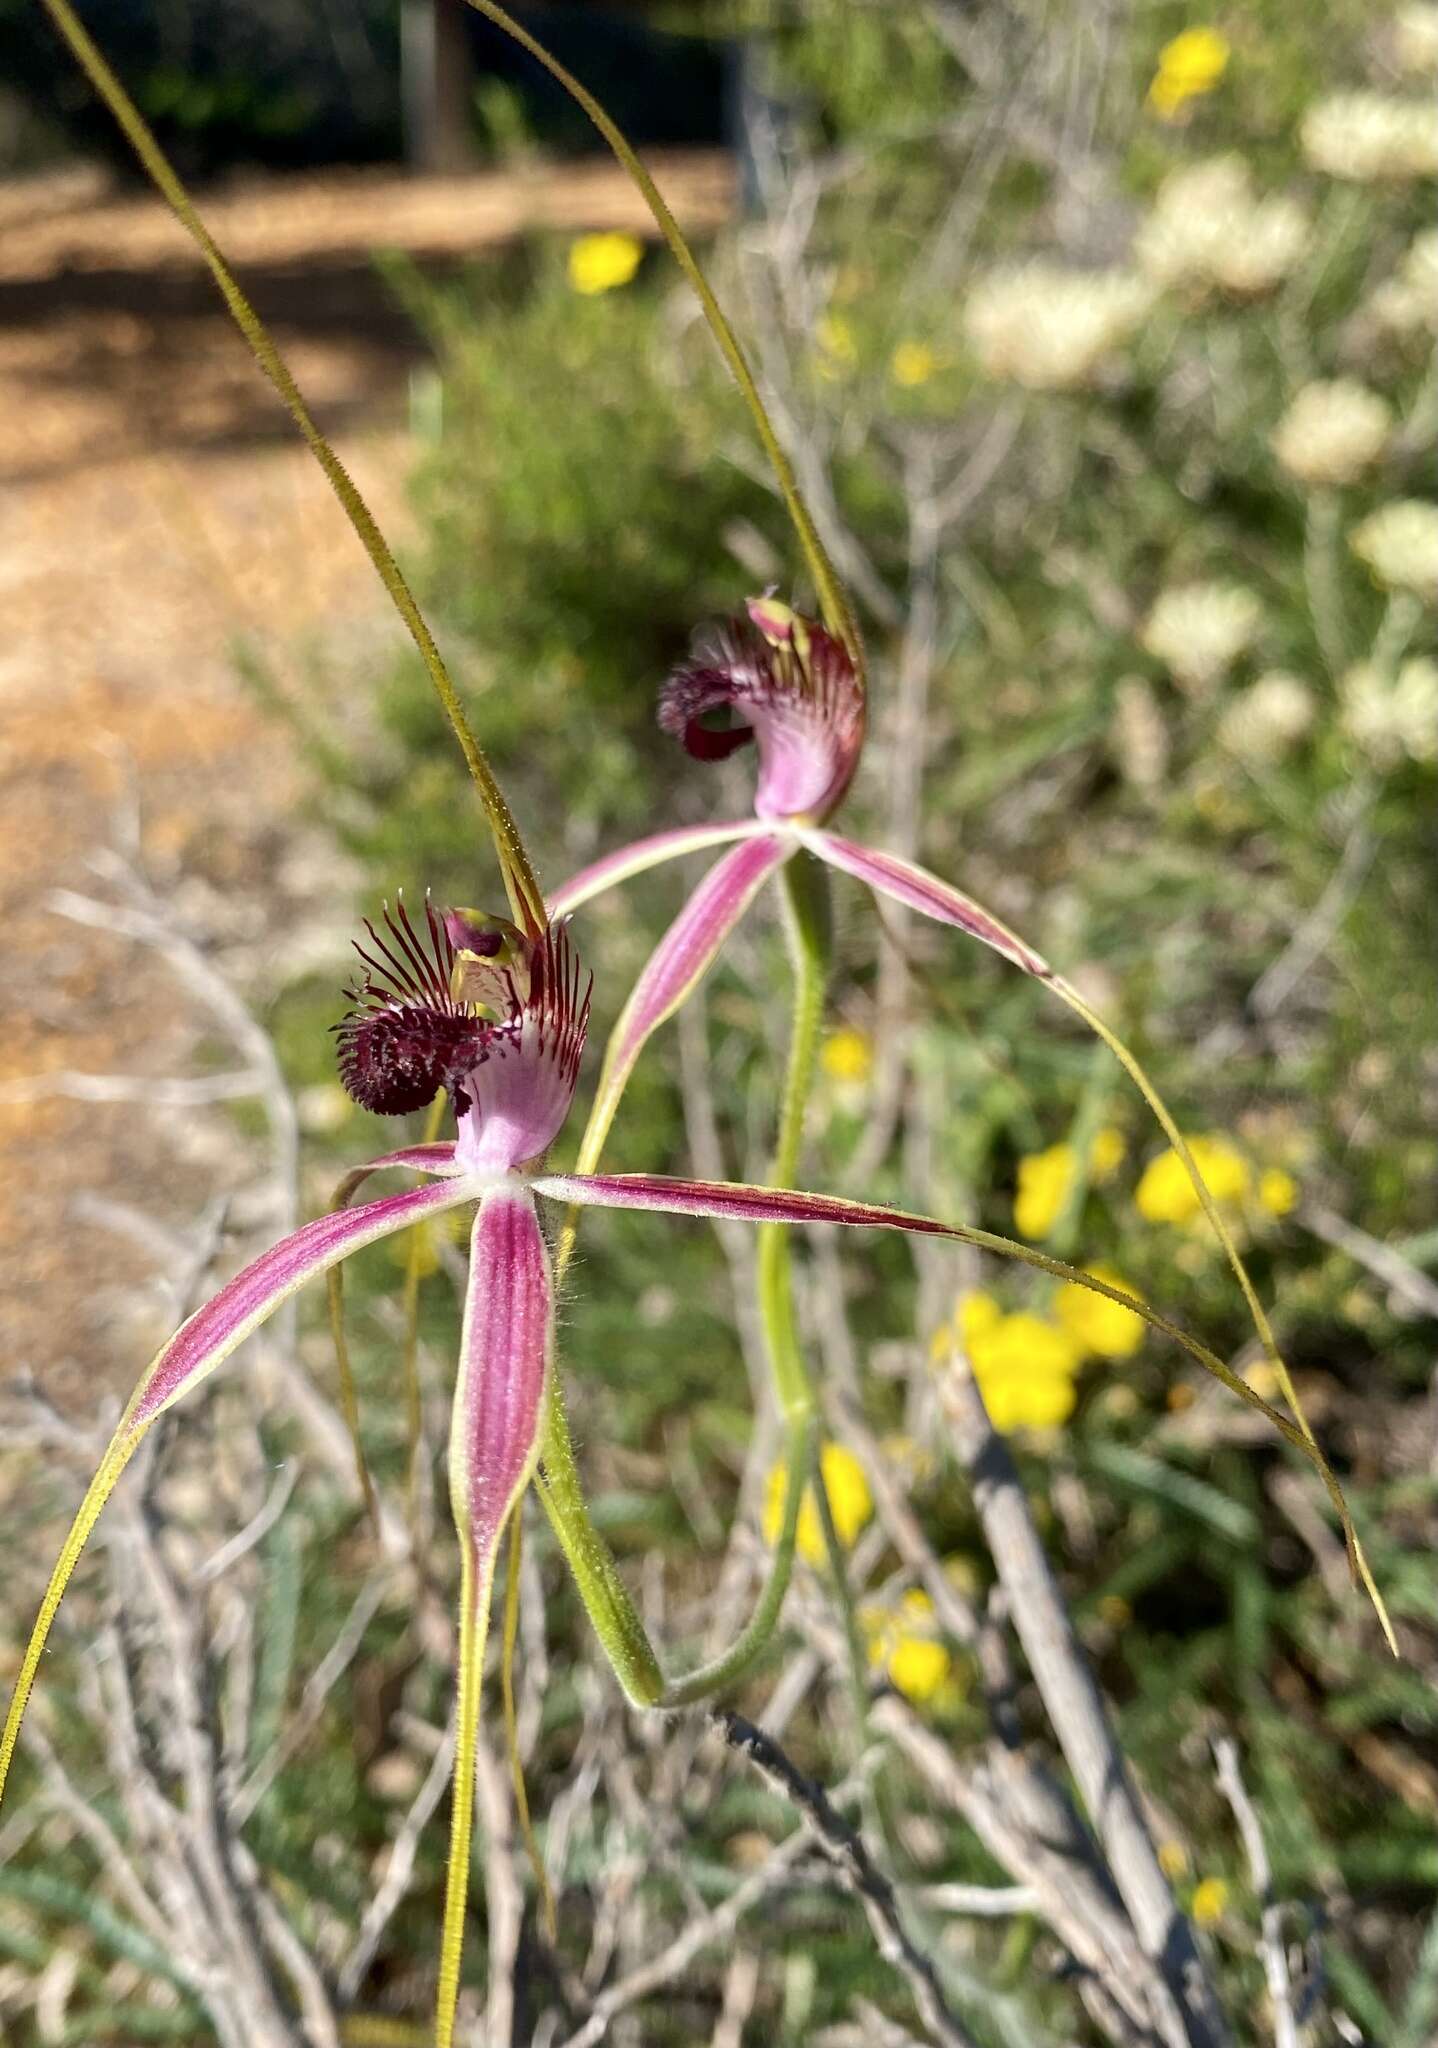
(154,506)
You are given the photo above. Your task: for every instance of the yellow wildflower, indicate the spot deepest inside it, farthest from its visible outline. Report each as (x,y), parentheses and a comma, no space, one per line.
(848,1055)
(850,1503)
(912,364)
(978,1315)
(1046,1178)
(1025,1371)
(1110,1149)
(836,337)
(1172,1858)
(1094,1322)
(1165,1194)
(1209,1899)
(904,1645)
(600,263)
(1277,1191)
(1189,66)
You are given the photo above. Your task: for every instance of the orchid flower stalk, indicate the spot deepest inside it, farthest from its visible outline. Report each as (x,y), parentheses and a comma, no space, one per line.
(801,695)
(496,1019)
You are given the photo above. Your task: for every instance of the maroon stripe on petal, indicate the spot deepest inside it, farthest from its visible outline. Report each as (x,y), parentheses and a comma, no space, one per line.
(504,1356)
(239,1308)
(736,1201)
(917,889)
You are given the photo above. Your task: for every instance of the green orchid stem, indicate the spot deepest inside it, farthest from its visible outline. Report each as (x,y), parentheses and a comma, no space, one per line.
(833,602)
(808,931)
(610,1609)
(801,1469)
(844,1599)
(804,896)
(520,884)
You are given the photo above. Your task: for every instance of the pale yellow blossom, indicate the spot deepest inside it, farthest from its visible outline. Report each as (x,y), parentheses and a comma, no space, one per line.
(1368,138)
(850,1503)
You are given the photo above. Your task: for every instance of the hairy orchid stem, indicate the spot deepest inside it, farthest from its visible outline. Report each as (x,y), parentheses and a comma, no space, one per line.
(520,884)
(344,1369)
(834,604)
(474,1602)
(803,894)
(610,1609)
(409,1356)
(511,1729)
(122,1448)
(844,1599)
(801,1468)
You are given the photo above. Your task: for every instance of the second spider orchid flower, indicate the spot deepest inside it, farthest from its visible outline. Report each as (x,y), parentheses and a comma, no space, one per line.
(496,1018)
(794,689)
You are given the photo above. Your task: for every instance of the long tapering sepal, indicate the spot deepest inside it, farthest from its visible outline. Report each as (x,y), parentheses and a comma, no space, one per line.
(680,960)
(917,889)
(744,1203)
(641,855)
(505,1347)
(193,1353)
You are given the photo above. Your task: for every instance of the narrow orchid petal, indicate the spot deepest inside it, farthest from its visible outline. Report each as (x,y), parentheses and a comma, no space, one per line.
(741,1202)
(504,1352)
(505,1346)
(215,1330)
(641,854)
(681,958)
(209,1336)
(918,890)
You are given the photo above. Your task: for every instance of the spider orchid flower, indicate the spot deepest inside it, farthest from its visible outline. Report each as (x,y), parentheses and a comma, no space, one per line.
(496,1018)
(794,689)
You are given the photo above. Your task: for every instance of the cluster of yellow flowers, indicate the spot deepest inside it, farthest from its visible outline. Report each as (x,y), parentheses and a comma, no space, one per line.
(1165,1193)
(902,1641)
(1027,1365)
(1047,1179)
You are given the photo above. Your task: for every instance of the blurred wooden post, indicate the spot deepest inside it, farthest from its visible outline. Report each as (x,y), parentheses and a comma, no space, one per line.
(437,84)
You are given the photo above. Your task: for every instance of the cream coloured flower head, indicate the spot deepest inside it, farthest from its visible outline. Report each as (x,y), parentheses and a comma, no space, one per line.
(1369,138)
(1049,327)
(1206,228)
(1387,717)
(1264,721)
(1409,299)
(1196,211)
(1198,630)
(1270,244)
(1332,432)
(1399,542)
(1415,39)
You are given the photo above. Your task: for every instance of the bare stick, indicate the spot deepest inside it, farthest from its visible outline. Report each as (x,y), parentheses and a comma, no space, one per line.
(1270,1940)
(1076,1709)
(845,1849)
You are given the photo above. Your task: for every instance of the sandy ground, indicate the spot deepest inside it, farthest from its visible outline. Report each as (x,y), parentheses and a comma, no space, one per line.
(155,510)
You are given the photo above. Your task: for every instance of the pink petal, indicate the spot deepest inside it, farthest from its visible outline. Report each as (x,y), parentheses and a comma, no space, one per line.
(504,1355)
(641,854)
(687,949)
(736,1200)
(214,1331)
(918,890)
